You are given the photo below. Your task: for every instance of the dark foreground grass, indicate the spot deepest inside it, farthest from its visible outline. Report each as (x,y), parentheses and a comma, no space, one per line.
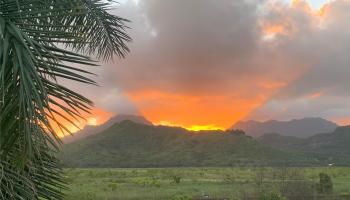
(199,183)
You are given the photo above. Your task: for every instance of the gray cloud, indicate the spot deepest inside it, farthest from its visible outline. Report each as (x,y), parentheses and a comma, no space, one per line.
(323,46)
(216,48)
(197,47)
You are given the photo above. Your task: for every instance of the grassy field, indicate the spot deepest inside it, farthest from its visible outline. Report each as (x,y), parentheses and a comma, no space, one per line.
(205,183)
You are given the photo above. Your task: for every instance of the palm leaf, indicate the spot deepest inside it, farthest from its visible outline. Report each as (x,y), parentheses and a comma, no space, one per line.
(32,34)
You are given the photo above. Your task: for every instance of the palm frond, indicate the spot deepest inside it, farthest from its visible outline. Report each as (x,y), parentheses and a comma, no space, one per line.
(33,34)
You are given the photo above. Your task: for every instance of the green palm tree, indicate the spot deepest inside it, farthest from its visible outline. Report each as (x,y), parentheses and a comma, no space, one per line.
(41,43)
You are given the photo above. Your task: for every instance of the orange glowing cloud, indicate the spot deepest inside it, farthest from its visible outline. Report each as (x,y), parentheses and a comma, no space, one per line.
(271,30)
(305,6)
(98,116)
(194,112)
(208,80)
(315,95)
(272,85)
(342,121)
(302,5)
(323,11)
(285,25)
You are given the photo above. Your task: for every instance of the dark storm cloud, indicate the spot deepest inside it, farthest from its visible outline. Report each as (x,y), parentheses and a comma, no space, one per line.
(197,46)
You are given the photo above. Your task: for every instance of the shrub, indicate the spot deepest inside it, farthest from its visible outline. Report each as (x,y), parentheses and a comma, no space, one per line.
(176,179)
(325,186)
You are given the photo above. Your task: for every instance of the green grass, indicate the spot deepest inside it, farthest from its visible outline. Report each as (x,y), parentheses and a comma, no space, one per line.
(218,183)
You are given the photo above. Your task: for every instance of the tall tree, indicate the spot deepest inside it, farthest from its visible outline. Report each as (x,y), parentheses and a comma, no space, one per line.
(42,42)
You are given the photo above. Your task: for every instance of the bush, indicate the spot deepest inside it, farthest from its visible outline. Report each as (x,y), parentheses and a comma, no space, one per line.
(325,186)
(176,179)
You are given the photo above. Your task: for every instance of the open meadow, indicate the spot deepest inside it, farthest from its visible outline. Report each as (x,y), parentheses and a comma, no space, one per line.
(209,183)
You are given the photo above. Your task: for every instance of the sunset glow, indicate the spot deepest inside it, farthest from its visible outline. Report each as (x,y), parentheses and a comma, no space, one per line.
(315,4)
(174,99)
(315,95)
(342,121)
(97,117)
(271,60)
(193,112)
(92,121)
(193,127)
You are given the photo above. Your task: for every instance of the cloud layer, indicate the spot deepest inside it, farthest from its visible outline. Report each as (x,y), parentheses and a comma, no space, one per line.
(206,62)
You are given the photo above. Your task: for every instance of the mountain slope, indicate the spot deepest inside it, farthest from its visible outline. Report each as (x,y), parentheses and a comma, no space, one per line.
(91,130)
(128,144)
(281,142)
(324,148)
(302,128)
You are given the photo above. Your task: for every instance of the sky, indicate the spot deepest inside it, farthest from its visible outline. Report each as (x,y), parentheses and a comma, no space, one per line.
(205,64)
(314,3)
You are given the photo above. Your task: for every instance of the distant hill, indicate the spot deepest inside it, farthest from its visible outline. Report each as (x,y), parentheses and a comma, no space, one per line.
(91,130)
(301,128)
(324,148)
(128,144)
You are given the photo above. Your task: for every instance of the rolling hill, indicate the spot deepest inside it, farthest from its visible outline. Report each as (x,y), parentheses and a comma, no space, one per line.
(129,144)
(301,128)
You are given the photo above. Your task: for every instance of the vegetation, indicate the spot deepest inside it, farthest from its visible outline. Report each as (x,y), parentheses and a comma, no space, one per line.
(206,183)
(129,144)
(321,149)
(41,41)
(325,185)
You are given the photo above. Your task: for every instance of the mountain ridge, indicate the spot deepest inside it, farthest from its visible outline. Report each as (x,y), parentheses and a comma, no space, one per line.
(89,130)
(127,144)
(302,128)
(130,144)
(333,147)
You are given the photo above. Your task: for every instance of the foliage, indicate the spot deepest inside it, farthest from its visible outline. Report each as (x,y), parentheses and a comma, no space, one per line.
(319,150)
(176,179)
(34,38)
(325,185)
(129,144)
(198,181)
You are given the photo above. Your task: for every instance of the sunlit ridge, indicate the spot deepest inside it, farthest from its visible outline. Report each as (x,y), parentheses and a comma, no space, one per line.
(207,127)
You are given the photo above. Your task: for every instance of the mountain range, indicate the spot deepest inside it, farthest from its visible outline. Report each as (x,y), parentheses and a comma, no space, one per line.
(129,143)
(301,128)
